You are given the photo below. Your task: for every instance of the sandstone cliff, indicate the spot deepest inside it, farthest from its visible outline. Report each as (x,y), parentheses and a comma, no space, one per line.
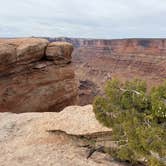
(99,60)
(36,75)
(58,139)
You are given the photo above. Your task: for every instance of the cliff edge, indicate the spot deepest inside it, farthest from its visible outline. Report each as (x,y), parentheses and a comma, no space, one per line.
(36,75)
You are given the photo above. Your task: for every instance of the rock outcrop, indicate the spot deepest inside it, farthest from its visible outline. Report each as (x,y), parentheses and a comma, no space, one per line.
(58,139)
(59,52)
(24,50)
(30,81)
(97,61)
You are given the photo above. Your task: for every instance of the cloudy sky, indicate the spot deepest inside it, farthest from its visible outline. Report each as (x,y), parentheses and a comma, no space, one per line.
(83,18)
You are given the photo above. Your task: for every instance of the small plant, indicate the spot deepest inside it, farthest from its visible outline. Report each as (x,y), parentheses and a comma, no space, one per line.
(138,120)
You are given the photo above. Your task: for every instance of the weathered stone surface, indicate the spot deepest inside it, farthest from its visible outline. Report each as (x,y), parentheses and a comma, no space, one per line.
(59,52)
(27,49)
(82,120)
(46,89)
(25,140)
(29,82)
(31,50)
(7,54)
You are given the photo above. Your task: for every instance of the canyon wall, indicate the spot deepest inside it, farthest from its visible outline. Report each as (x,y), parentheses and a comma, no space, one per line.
(36,75)
(97,61)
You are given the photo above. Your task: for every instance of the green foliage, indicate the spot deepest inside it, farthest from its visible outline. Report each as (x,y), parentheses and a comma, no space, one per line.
(158,97)
(138,120)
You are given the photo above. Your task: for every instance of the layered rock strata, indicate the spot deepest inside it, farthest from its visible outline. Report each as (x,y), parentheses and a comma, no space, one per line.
(97,61)
(30,80)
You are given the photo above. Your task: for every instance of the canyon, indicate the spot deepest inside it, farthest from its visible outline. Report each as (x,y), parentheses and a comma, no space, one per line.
(94,62)
(97,61)
(36,76)
(40,77)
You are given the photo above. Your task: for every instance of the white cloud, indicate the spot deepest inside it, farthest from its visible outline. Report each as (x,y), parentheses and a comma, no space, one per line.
(83,18)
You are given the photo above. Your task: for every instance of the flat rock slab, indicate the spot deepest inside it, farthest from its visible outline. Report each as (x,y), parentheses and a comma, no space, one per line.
(75,120)
(24,139)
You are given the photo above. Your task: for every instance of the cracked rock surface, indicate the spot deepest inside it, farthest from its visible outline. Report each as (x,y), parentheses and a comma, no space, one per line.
(25,140)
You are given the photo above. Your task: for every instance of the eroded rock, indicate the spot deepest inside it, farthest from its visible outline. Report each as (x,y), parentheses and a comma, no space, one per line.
(7,54)
(25,49)
(30,50)
(29,82)
(25,140)
(59,52)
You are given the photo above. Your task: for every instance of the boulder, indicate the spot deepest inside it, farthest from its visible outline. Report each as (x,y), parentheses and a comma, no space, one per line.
(31,49)
(24,50)
(59,52)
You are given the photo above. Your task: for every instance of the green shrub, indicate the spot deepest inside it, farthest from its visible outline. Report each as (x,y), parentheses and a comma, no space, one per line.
(138,120)
(158,98)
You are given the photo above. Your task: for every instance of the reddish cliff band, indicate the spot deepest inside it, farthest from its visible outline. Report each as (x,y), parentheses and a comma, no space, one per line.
(97,61)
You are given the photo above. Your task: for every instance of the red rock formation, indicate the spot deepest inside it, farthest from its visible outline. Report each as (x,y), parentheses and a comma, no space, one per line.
(29,82)
(99,60)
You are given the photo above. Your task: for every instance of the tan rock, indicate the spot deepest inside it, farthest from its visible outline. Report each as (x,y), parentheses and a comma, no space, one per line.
(27,49)
(60,52)
(31,49)
(7,54)
(24,139)
(82,120)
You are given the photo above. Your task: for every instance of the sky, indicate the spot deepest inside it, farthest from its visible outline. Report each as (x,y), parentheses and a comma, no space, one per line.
(106,19)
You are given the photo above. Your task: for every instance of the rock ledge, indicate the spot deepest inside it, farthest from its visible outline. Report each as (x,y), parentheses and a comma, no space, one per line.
(25,140)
